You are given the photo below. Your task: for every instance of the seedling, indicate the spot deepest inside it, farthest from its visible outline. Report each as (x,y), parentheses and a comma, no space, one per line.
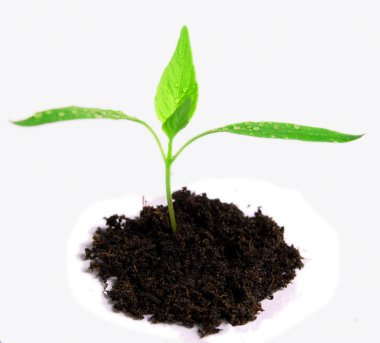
(175,103)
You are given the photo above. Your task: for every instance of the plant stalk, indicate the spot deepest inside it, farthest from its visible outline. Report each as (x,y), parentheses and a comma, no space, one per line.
(192,140)
(168,164)
(154,135)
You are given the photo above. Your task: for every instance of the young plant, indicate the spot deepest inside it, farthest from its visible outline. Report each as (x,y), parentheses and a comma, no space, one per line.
(175,104)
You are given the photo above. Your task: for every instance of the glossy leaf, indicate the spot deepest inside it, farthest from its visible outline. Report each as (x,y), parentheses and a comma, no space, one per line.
(178,83)
(178,120)
(287,131)
(71,113)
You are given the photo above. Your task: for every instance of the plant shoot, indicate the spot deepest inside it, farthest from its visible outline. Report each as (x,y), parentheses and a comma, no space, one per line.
(175,104)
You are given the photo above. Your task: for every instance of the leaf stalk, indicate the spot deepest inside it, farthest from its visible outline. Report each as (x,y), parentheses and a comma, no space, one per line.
(192,140)
(154,135)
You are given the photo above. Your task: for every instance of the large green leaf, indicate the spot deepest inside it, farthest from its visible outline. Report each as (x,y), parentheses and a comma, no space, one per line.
(178,83)
(71,113)
(287,131)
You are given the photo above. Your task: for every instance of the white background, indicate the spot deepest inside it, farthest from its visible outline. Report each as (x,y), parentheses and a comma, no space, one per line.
(308,62)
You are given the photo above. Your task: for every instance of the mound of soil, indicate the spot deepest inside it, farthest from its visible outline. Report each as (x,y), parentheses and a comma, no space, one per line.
(218,267)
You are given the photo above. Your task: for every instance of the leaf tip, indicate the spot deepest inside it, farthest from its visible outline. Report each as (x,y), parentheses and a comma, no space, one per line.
(185,36)
(184,30)
(358,136)
(18,122)
(351,138)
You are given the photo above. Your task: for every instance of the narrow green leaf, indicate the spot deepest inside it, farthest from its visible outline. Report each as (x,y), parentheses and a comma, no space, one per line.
(178,83)
(178,120)
(71,113)
(287,131)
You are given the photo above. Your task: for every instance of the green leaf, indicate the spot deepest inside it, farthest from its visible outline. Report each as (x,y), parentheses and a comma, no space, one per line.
(177,84)
(71,113)
(178,120)
(287,131)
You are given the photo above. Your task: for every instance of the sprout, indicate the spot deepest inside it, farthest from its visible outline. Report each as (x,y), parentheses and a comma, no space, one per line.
(175,104)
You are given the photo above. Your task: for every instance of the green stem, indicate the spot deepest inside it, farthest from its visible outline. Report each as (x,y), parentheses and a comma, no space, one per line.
(168,164)
(154,135)
(192,140)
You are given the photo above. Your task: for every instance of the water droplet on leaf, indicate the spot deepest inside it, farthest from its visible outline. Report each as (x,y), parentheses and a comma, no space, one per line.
(236,127)
(176,84)
(61,114)
(296,127)
(185,89)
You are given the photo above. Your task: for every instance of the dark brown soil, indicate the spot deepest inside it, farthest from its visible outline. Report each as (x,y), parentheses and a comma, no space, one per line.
(218,267)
